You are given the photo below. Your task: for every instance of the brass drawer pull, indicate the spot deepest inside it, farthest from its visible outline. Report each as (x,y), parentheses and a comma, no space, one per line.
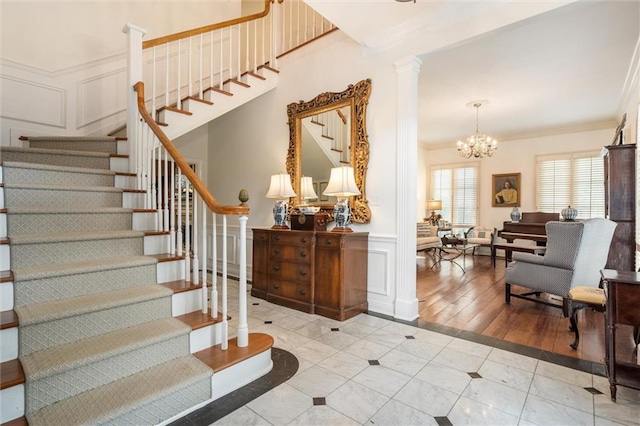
(303,292)
(303,239)
(303,253)
(276,286)
(261,237)
(276,251)
(303,273)
(329,241)
(276,267)
(276,237)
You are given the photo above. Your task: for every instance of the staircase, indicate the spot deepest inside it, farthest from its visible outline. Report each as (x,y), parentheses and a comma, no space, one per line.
(98,324)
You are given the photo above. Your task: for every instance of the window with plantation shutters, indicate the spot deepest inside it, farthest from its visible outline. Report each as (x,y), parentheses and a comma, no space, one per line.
(457,187)
(573,179)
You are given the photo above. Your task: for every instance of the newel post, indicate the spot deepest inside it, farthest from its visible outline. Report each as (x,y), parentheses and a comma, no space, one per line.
(134,75)
(243,328)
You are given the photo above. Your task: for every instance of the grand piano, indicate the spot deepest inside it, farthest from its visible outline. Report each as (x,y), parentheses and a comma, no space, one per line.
(530,227)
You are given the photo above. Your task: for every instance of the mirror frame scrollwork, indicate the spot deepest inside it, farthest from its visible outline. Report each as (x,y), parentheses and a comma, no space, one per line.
(356,96)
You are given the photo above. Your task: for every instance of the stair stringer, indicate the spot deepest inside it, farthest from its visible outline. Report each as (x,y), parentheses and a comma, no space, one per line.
(179,124)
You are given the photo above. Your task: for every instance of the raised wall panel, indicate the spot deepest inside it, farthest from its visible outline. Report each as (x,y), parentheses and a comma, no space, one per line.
(101,96)
(35,103)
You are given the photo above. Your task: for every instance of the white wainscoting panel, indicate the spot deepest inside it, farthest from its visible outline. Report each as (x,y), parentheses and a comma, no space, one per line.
(32,102)
(107,89)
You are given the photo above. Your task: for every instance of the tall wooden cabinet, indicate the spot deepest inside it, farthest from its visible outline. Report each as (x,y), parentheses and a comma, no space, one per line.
(312,271)
(620,204)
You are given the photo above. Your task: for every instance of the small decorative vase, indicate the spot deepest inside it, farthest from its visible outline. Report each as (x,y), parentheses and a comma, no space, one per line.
(515,215)
(569,214)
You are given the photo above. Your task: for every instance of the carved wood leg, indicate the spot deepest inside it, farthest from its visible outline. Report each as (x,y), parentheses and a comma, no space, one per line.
(573,320)
(565,307)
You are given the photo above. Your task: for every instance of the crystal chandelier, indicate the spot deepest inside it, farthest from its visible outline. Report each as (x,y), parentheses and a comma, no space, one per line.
(477,145)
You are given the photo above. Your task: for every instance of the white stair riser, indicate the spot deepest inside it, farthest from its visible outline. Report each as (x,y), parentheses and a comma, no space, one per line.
(127,182)
(8,344)
(119,164)
(205,337)
(133,200)
(144,221)
(1,198)
(236,376)
(5,253)
(3,225)
(170,271)
(123,147)
(185,302)
(156,244)
(6,296)
(11,403)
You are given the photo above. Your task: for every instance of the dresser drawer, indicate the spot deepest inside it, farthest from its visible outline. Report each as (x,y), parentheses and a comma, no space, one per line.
(296,291)
(292,238)
(298,272)
(300,254)
(328,240)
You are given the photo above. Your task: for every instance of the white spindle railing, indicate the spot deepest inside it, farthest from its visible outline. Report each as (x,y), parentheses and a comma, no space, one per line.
(193,64)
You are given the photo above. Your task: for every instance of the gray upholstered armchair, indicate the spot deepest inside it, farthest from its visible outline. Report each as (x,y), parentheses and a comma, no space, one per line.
(576,252)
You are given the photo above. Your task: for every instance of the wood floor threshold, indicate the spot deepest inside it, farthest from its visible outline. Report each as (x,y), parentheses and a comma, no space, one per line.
(180,286)
(221,91)
(174,109)
(239,83)
(6,276)
(20,421)
(193,98)
(218,359)
(8,319)
(267,67)
(154,233)
(166,257)
(197,320)
(12,374)
(253,74)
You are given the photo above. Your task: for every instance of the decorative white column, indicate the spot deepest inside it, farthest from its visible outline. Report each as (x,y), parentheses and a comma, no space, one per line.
(406,302)
(243,328)
(134,75)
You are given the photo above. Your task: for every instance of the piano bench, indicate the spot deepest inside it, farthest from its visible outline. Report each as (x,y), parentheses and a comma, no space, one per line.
(509,248)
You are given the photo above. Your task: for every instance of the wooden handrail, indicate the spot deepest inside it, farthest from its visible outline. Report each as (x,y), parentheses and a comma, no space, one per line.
(199,187)
(165,39)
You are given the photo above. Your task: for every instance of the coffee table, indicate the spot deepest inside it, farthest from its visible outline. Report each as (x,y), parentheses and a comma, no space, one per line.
(456,247)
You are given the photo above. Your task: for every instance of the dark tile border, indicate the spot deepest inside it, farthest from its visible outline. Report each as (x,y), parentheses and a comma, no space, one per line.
(285,365)
(554,358)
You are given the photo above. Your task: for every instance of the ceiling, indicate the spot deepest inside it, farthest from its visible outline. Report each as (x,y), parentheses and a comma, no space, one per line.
(542,67)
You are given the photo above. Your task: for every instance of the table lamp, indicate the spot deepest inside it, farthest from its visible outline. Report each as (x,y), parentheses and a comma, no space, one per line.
(307,193)
(342,184)
(433,205)
(281,190)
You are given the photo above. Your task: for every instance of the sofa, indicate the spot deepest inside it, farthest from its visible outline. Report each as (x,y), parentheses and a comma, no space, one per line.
(427,237)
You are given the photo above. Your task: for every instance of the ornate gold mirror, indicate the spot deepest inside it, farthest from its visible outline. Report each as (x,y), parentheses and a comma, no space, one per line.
(325,132)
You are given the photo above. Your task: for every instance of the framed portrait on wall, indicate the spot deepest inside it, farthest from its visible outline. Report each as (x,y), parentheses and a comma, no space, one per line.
(506,190)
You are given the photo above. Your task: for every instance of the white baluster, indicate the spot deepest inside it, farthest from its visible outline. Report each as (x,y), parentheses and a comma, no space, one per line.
(180,224)
(195,262)
(243,328)
(221,58)
(187,236)
(200,88)
(172,215)
(166,78)
(179,75)
(225,325)
(204,259)
(214,267)
(165,192)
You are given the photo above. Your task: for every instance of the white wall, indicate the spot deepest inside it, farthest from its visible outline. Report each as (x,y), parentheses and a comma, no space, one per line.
(514,156)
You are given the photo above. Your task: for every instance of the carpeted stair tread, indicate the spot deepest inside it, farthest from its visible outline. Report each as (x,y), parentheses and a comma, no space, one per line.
(60,359)
(66,308)
(51,167)
(94,144)
(73,236)
(46,187)
(94,265)
(66,210)
(72,138)
(68,152)
(108,402)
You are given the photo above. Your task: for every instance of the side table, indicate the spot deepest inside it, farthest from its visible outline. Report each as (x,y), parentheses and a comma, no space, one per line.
(460,247)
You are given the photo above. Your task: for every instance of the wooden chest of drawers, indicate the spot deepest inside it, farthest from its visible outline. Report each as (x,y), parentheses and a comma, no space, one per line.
(311,271)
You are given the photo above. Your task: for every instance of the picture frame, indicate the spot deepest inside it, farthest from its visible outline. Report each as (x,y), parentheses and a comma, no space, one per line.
(505,190)
(323,185)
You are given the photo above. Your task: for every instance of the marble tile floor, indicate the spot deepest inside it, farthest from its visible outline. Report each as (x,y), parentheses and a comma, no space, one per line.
(371,370)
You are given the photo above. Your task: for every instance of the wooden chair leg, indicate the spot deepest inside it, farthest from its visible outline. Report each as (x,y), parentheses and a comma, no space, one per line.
(573,320)
(507,293)
(565,307)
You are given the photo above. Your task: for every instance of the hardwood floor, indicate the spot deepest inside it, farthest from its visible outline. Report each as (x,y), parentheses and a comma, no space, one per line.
(474,301)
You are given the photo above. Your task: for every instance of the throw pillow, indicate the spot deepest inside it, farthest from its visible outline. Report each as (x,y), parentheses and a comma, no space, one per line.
(482,234)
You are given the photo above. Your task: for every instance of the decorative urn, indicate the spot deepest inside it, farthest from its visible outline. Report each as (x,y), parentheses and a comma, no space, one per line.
(515,215)
(569,214)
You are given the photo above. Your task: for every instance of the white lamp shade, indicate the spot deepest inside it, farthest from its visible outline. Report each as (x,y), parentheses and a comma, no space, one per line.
(280,187)
(342,182)
(306,189)
(434,205)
